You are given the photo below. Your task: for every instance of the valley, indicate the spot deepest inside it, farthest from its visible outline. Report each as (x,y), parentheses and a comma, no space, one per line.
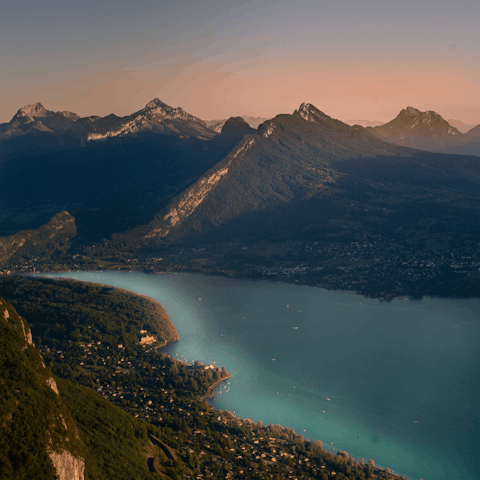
(300,199)
(304,198)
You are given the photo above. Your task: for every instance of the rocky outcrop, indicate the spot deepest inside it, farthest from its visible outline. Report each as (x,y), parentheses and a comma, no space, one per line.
(186,203)
(67,466)
(52,384)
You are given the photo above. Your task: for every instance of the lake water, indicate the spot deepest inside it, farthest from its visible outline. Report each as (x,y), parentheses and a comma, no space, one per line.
(397,382)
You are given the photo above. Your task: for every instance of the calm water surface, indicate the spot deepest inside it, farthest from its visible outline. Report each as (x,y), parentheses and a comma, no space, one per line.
(398,382)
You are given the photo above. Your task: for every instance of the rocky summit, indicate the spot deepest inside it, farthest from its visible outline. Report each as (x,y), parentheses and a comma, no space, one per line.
(35,119)
(155,117)
(425,130)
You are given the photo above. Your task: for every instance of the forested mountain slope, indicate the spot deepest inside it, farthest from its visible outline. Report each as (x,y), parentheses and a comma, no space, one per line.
(307,171)
(38,436)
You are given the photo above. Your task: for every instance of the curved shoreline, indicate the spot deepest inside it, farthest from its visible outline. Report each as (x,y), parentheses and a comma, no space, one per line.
(155,302)
(211,390)
(253,277)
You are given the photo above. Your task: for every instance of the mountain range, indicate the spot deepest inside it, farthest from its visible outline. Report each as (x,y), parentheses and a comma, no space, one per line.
(155,117)
(411,128)
(301,173)
(35,119)
(426,131)
(365,123)
(160,177)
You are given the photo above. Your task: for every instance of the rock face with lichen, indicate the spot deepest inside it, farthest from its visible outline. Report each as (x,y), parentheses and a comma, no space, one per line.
(38,436)
(67,466)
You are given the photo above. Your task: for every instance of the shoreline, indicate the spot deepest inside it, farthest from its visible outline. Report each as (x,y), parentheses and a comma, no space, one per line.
(121,290)
(218,382)
(241,276)
(211,390)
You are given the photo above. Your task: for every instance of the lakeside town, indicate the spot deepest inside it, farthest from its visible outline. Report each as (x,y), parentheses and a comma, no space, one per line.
(171,394)
(374,267)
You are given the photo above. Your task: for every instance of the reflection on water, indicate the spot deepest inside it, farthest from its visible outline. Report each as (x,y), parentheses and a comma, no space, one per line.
(397,382)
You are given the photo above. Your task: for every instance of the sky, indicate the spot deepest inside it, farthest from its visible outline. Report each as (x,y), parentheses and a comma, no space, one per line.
(352,59)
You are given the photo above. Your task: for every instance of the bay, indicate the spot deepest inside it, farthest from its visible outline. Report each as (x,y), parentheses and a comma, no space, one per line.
(396,381)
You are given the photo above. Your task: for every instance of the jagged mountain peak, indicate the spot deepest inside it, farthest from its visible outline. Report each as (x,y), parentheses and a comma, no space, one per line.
(414,128)
(158,109)
(155,117)
(34,118)
(157,104)
(309,112)
(413,119)
(411,111)
(32,110)
(312,114)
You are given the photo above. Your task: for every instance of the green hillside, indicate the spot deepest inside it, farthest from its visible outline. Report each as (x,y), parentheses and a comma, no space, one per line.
(119,445)
(35,425)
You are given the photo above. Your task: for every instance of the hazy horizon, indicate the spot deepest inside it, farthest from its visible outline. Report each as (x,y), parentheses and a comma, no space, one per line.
(348,120)
(220,59)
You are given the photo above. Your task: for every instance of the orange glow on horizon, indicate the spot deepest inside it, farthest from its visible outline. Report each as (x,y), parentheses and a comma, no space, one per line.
(344,92)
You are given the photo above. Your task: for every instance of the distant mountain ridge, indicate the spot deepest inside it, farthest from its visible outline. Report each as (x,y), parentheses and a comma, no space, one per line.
(35,119)
(365,123)
(156,117)
(411,128)
(473,135)
(416,129)
(291,157)
(304,175)
(460,126)
(150,156)
(298,174)
(217,125)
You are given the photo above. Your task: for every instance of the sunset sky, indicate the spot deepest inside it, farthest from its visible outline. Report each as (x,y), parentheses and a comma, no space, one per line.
(351,59)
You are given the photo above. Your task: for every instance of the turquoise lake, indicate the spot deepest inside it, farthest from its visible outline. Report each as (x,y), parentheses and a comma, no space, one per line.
(398,382)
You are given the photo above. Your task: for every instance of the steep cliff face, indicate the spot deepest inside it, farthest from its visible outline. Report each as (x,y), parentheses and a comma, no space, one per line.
(38,436)
(186,203)
(67,466)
